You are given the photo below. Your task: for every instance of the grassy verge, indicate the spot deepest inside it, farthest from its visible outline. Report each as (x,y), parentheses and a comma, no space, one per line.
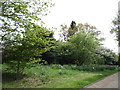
(51,77)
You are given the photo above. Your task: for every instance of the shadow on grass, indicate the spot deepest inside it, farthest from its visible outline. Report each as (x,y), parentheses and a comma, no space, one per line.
(11,77)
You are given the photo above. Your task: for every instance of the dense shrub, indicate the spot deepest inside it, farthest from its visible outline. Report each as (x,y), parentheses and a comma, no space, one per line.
(80,49)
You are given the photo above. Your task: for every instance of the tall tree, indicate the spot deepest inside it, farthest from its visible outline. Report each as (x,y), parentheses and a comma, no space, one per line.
(80,49)
(22,37)
(116,30)
(86,45)
(66,31)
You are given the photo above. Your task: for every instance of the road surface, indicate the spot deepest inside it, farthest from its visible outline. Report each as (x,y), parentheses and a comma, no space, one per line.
(112,81)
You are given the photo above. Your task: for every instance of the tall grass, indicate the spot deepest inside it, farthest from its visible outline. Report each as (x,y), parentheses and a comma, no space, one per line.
(56,76)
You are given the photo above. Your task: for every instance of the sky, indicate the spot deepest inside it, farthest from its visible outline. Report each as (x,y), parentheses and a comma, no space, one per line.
(99,13)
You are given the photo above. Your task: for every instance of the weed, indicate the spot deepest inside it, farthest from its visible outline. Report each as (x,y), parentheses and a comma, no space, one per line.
(54,76)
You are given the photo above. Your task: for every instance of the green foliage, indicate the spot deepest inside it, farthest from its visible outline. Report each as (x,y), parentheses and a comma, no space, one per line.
(56,76)
(108,55)
(116,31)
(63,54)
(23,39)
(116,28)
(86,46)
(80,45)
(80,49)
(66,31)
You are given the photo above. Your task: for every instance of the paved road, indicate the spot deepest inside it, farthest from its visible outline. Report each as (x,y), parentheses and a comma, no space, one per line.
(112,81)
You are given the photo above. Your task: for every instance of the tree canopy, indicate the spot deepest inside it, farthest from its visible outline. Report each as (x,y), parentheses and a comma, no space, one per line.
(23,36)
(66,31)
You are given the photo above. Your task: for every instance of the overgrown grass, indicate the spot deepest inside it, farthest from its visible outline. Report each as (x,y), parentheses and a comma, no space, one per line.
(56,76)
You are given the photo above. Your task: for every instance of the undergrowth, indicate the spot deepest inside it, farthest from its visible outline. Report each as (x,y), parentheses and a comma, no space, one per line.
(56,76)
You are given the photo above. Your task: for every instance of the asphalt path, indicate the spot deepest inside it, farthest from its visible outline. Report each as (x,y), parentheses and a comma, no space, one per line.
(112,81)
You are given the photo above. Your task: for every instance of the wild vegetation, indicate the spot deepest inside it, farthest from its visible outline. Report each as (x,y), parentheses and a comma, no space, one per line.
(33,58)
(56,76)
(116,30)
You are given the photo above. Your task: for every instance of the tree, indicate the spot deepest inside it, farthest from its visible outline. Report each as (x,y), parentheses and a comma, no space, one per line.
(67,32)
(84,38)
(63,53)
(73,24)
(48,56)
(86,46)
(109,56)
(116,30)
(22,38)
(80,49)
(63,33)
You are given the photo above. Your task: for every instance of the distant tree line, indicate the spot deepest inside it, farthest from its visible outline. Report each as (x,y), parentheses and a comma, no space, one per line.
(80,44)
(25,41)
